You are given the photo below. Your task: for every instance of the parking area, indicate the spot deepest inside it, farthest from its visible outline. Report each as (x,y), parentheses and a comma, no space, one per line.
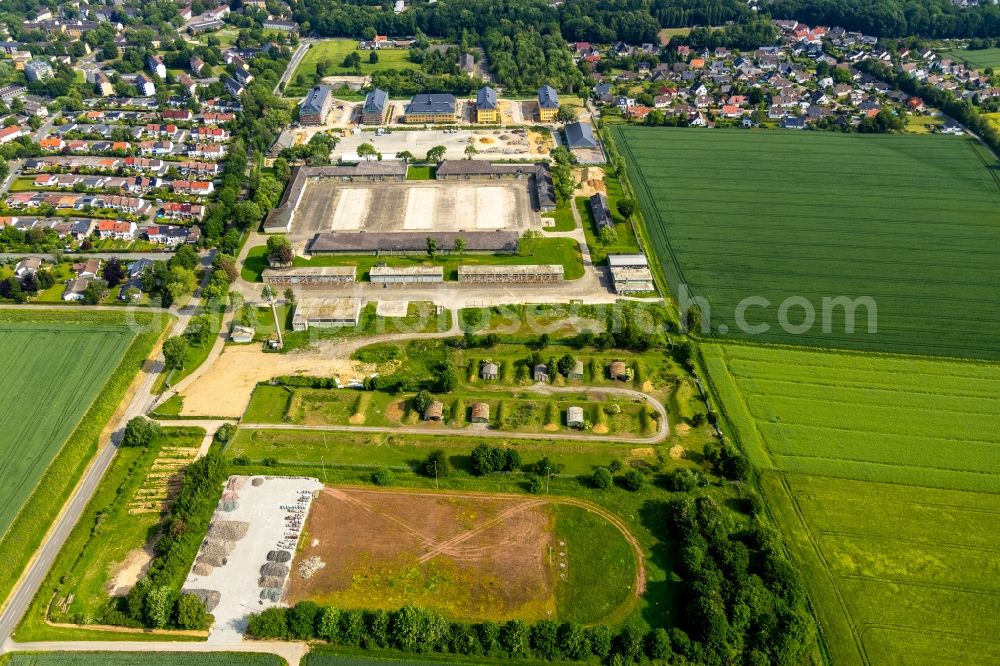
(244,560)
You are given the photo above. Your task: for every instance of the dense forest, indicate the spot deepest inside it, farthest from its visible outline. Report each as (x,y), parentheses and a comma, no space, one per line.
(895,18)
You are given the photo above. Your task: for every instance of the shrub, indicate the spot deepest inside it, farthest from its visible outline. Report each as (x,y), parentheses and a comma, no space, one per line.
(436,464)
(271,623)
(382,477)
(191,613)
(225,433)
(602,478)
(683,480)
(633,480)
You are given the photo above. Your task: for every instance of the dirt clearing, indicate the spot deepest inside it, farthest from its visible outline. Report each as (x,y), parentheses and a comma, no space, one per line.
(465,556)
(225,388)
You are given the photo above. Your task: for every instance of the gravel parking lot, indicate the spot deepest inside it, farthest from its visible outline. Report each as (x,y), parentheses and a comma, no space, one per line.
(257,516)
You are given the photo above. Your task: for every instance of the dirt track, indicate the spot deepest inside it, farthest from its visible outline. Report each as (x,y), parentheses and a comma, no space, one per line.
(380,537)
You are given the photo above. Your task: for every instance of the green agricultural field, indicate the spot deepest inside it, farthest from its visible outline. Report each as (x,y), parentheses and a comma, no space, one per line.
(912,222)
(884,473)
(143,659)
(333,52)
(979,58)
(63,400)
(52,373)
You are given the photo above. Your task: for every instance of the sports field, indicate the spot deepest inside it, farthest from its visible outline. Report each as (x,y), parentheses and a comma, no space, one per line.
(979,58)
(884,474)
(467,555)
(52,374)
(911,222)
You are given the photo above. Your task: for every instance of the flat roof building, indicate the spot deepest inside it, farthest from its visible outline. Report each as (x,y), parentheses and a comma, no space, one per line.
(405,274)
(310,275)
(534,273)
(632,280)
(325,313)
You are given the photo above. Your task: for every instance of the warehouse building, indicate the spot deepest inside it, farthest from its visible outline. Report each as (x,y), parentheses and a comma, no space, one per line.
(580,135)
(325,313)
(432,108)
(279,220)
(316,106)
(413,242)
(601,212)
(539,175)
(309,275)
(530,274)
(406,274)
(375,107)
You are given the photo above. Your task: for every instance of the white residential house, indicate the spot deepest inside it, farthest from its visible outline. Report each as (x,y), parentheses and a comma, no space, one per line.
(155,65)
(145,85)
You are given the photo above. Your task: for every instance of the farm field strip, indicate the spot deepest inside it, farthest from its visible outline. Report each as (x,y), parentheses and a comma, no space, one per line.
(52,375)
(886,483)
(925,257)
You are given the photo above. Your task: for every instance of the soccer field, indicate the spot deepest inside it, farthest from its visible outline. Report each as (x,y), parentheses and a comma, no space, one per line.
(52,373)
(910,222)
(884,475)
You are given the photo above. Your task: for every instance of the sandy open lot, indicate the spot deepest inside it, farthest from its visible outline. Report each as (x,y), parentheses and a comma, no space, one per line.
(385,207)
(225,388)
(474,557)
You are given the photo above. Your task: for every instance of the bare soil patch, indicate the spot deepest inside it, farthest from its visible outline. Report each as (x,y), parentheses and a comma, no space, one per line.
(465,556)
(124,576)
(225,388)
(589,181)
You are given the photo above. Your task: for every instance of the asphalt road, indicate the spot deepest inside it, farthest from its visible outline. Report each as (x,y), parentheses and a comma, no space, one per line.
(142,401)
(128,256)
(293,64)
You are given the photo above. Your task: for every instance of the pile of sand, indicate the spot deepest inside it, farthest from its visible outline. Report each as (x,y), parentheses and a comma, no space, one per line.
(589,181)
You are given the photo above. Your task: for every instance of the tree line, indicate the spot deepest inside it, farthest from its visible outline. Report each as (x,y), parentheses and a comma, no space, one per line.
(895,18)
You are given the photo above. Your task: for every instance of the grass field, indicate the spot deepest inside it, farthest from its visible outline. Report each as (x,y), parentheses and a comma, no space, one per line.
(980,58)
(352,451)
(333,52)
(563,251)
(52,373)
(468,556)
(142,659)
(884,474)
(913,222)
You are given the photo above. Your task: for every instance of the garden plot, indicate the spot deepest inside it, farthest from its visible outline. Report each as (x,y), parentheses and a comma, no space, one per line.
(243,564)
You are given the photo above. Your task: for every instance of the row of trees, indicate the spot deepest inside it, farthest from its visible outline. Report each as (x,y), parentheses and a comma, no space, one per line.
(416,630)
